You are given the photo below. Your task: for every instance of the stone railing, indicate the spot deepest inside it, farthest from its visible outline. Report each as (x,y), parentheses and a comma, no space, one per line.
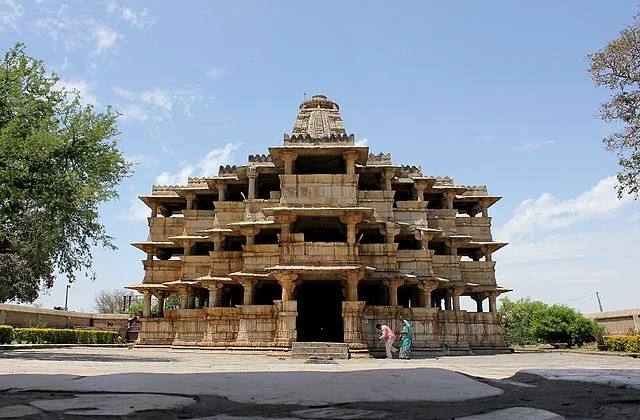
(480,272)
(442,219)
(446,266)
(477,227)
(160,228)
(225,262)
(197,220)
(320,190)
(380,201)
(162,271)
(195,266)
(318,253)
(415,261)
(258,257)
(380,256)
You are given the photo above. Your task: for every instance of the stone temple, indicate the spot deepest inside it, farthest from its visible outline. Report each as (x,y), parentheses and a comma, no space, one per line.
(318,241)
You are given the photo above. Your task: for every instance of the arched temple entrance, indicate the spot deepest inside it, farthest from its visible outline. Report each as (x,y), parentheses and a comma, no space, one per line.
(320,312)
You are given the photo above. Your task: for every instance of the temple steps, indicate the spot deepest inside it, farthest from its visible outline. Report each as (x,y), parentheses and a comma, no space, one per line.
(305,350)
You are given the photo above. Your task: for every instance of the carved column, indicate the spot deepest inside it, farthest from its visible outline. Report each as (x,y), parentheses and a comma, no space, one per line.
(184,299)
(252,174)
(161,296)
(288,283)
(288,162)
(192,300)
(447,300)
(189,197)
(479,298)
(455,295)
(387,176)
(351,220)
(287,311)
(393,285)
(447,199)
(222,191)
(247,285)
(154,209)
(352,278)
(215,294)
(350,157)
(146,308)
(427,287)
(492,301)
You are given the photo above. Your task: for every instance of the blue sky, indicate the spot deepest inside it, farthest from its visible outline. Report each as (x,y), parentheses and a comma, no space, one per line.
(489,92)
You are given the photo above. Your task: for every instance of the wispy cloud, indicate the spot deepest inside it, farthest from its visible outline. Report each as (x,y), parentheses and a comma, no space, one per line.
(157,103)
(138,211)
(105,38)
(362,142)
(530,146)
(11,12)
(547,213)
(215,72)
(138,18)
(207,166)
(84,88)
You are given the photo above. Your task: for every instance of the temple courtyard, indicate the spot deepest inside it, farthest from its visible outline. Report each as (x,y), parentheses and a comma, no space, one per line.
(163,383)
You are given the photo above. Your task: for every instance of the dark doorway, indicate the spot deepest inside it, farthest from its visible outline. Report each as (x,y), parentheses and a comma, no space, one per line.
(320,312)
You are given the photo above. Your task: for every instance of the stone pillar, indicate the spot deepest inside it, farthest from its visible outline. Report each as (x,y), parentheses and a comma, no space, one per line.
(479,298)
(222,191)
(350,220)
(252,173)
(189,201)
(288,283)
(215,294)
(146,308)
(447,198)
(492,302)
(393,285)
(287,311)
(420,193)
(247,285)
(161,296)
(352,315)
(186,246)
(350,158)
(387,176)
(192,301)
(455,295)
(250,238)
(184,299)
(352,278)
(288,162)
(447,301)
(154,209)
(427,287)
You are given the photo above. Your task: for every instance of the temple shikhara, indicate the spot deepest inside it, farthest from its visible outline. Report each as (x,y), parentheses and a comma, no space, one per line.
(318,241)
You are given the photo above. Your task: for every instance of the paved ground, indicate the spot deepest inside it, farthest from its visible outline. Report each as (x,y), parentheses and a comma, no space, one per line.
(159,383)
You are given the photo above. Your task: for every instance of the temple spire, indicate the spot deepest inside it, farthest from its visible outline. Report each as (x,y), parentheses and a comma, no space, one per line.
(318,117)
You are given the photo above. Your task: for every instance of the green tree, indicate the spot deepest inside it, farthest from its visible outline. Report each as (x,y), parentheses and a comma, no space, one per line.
(518,317)
(617,66)
(58,162)
(111,301)
(562,324)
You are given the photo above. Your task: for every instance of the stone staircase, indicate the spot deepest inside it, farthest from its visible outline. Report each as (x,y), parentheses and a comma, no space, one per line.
(305,350)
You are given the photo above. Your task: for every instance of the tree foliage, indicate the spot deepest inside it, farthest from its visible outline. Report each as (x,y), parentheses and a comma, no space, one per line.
(111,301)
(58,162)
(531,322)
(617,67)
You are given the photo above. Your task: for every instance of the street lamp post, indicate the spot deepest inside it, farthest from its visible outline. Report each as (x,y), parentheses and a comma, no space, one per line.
(66,298)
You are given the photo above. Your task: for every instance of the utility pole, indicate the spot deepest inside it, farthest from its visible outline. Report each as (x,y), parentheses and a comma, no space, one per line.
(599,303)
(66,298)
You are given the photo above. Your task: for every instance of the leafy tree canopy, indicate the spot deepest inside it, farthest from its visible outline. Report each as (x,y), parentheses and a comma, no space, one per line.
(58,162)
(617,66)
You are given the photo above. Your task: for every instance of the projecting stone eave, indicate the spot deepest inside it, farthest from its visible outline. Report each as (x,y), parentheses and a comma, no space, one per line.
(151,200)
(300,268)
(489,200)
(491,245)
(141,287)
(151,246)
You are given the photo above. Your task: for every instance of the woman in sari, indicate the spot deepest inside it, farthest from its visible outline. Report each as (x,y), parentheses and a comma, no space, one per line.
(406,335)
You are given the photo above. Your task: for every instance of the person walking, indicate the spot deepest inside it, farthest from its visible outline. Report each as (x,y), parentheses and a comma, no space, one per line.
(389,337)
(406,336)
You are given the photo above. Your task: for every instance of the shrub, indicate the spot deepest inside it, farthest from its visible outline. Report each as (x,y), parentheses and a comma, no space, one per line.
(6,334)
(64,336)
(626,343)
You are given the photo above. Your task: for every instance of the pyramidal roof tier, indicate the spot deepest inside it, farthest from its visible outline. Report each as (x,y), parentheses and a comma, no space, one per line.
(319,121)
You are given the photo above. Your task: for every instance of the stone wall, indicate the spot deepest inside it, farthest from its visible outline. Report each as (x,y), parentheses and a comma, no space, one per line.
(26,316)
(619,322)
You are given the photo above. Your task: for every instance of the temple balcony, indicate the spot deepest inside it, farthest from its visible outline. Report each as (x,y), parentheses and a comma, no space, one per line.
(321,190)
(195,266)
(443,219)
(414,212)
(415,261)
(161,228)
(197,220)
(258,257)
(477,227)
(318,253)
(380,256)
(446,266)
(381,201)
(479,272)
(224,262)
(161,271)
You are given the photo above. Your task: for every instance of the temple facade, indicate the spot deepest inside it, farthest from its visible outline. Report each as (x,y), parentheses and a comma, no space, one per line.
(318,241)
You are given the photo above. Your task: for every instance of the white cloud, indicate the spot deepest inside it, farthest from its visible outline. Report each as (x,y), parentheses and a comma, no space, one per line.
(168,150)
(547,213)
(215,72)
(159,103)
(85,89)
(142,159)
(105,38)
(138,211)
(138,18)
(208,166)
(11,12)
(530,146)
(362,142)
